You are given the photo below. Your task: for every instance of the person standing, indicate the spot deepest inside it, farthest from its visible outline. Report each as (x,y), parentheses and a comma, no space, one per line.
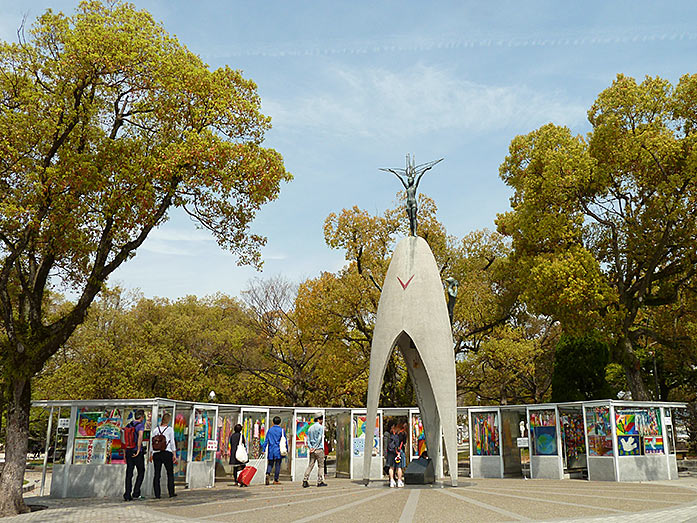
(395,455)
(273,444)
(133,443)
(166,456)
(235,438)
(315,443)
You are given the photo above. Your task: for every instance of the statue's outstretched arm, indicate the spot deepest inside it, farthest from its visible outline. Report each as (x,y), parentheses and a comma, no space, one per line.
(397,174)
(425,167)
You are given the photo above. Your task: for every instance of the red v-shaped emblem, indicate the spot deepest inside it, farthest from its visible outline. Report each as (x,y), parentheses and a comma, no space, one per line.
(405,285)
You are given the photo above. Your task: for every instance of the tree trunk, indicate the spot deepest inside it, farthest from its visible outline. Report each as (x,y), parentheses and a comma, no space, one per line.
(17,441)
(632,370)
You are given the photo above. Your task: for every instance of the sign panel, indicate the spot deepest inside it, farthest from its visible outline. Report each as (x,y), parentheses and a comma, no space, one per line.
(523,443)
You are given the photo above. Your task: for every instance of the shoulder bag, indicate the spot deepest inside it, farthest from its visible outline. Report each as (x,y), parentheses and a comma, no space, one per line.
(241,452)
(283,444)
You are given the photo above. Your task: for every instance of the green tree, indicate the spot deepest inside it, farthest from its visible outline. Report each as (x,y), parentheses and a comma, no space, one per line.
(132,347)
(603,226)
(106,123)
(511,364)
(503,353)
(579,369)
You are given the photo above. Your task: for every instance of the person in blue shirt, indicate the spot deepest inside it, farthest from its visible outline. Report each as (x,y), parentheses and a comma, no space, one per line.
(273,444)
(315,444)
(135,458)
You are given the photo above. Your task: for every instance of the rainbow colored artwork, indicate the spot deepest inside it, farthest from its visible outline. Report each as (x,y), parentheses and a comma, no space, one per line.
(179,427)
(359,431)
(418,437)
(485,434)
(301,426)
(626,424)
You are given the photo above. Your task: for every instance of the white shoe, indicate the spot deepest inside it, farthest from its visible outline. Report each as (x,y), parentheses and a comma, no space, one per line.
(400,483)
(392,484)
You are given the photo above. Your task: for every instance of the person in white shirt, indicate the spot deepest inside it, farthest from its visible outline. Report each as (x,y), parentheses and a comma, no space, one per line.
(166,457)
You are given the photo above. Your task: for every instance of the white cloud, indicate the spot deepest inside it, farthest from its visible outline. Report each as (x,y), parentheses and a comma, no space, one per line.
(176,242)
(407,43)
(422,99)
(177,235)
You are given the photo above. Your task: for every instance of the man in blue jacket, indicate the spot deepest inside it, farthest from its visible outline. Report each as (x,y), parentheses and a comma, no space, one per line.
(315,444)
(273,444)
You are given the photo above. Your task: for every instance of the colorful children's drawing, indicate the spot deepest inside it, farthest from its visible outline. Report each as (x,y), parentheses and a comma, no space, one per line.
(82,451)
(545,441)
(598,421)
(653,445)
(360,432)
(89,450)
(117,452)
(108,428)
(301,426)
(628,446)
(600,446)
(131,415)
(626,423)
(648,422)
(87,424)
(359,426)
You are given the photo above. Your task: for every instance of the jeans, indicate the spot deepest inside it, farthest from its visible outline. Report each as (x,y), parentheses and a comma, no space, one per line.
(277,464)
(137,462)
(163,457)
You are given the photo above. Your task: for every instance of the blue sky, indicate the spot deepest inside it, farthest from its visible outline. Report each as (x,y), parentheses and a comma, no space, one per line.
(354,86)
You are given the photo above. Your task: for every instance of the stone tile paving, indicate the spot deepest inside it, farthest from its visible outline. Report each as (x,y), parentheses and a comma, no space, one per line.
(345,500)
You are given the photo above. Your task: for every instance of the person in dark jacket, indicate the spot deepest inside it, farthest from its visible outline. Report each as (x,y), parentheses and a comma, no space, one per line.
(272,443)
(235,439)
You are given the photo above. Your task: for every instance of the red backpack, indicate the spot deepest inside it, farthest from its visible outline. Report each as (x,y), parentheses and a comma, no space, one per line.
(130,437)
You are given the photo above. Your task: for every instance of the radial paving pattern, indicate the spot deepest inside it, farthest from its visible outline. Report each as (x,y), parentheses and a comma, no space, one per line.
(344,500)
(478,500)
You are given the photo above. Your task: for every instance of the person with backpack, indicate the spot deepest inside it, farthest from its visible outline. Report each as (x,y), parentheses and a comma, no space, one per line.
(132,439)
(164,452)
(396,459)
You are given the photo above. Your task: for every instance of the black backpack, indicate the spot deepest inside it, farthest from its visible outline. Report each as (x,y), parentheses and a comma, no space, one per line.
(393,443)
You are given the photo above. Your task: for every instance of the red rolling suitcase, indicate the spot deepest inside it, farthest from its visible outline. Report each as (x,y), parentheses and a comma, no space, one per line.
(246,475)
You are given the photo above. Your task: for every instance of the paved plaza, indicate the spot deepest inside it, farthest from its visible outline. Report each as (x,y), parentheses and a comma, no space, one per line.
(346,500)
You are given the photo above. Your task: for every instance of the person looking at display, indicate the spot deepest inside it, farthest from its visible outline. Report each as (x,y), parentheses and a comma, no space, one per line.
(166,456)
(274,457)
(132,439)
(315,443)
(396,459)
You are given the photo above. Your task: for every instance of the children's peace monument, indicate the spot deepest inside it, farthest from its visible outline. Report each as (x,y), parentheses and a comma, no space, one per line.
(413,317)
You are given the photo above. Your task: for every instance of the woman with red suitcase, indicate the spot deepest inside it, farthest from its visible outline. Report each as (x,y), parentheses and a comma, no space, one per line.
(235,439)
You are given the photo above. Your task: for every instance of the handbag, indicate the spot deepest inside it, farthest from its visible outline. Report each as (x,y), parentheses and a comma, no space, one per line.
(241,453)
(283,445)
